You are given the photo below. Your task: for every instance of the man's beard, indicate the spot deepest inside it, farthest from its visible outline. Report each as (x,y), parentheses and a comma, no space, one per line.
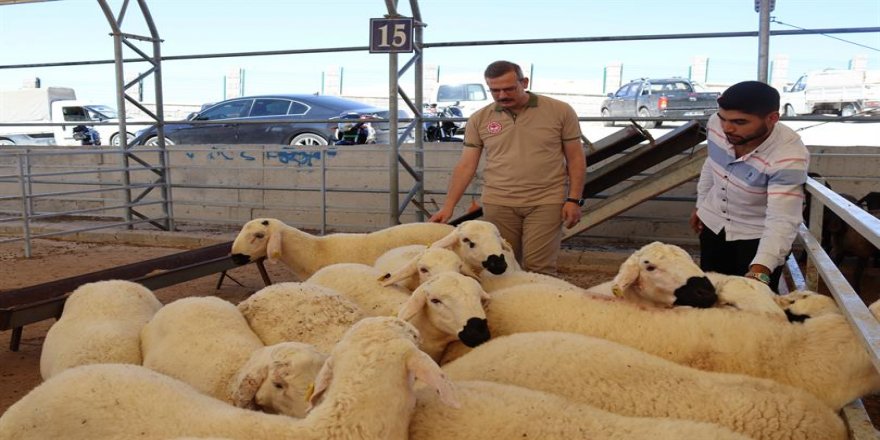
(744,140)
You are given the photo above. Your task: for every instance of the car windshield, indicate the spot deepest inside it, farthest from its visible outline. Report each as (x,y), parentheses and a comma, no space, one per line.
(99,112)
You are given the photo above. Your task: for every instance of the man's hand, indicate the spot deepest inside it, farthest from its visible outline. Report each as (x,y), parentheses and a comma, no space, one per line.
(571,214)
(696,224)
(441,216)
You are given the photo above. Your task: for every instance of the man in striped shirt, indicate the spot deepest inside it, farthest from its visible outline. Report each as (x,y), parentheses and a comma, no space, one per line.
(750,193)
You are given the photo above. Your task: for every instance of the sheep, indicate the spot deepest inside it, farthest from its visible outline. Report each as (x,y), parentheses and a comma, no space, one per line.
(491,282)
(203,341)
(409,266)
(480,246)
(292,311)
(277,378)
(821,356)
(800,305)
(629,382)
(745,294)
(500,411)
(660,274)
(843,240)
(101,323)
(446,308)
(305,253)
(363,391)
(361,284)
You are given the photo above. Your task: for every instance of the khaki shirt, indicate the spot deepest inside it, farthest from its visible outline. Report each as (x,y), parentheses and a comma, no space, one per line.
(525,161)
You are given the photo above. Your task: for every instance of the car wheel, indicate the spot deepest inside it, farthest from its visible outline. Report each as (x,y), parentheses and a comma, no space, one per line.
(114,140)
(644,113)
(848,110)
(4,141)
(308,140)
(607,114)
(154,141)
(789,111)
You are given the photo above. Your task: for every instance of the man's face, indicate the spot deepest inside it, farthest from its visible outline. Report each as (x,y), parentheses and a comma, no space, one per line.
(507,91)
(744,129)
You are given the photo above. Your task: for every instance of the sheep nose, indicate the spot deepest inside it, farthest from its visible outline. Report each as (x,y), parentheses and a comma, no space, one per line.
(475,332)
(241,259)
(697,292)
(495,264)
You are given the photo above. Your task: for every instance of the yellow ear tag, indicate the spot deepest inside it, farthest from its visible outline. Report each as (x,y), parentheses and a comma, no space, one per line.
(617,291)
(310,391)
(276,255)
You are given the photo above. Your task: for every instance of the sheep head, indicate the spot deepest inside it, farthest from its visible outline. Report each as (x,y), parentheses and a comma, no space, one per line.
(801,305)
(430,262)
(277,377)
(258,238)
(479,244)
(664,275)
(453,304)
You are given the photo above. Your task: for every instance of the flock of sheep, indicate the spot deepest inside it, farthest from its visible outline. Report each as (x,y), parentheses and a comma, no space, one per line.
(354,350)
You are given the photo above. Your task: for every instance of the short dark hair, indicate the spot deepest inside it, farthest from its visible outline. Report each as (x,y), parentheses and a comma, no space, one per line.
(752,97)
(501,67)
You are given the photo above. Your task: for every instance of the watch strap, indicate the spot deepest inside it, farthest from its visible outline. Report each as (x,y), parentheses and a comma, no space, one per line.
(760,276)
(580,202)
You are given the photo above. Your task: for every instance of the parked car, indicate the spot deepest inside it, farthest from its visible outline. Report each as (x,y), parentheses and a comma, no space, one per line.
(292,108)
(663,98)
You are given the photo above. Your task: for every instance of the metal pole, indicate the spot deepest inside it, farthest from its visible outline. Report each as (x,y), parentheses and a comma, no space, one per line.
(394,150)
(764,41)
(323,190)
(24,180)
(420,101)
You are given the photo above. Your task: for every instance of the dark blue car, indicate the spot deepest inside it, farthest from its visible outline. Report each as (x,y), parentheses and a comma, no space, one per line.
(225,115)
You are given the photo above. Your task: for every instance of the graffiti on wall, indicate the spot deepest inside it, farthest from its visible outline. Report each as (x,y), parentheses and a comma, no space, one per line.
(285,156)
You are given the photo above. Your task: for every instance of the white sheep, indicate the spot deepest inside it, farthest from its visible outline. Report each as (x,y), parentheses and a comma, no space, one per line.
(363,391)
(745,294)
(480,246)
(800,305)
(300,312)
(446,308)
(410,266)
(492,282)
(277,378)
(492,411)
(821,356)
(305,253)
(630,382)
(661,275)
(203,341)
(361,284)
(101,323)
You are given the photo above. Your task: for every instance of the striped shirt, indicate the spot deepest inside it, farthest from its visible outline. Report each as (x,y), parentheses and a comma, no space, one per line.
(757,196)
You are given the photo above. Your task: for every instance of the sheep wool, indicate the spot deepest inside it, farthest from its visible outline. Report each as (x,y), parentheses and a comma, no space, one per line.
(629,382)
(363,392)
(822,356)
(361,284)
(303,312)
(101,323)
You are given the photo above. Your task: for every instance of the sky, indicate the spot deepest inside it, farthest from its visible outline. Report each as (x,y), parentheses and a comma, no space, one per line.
(76,30)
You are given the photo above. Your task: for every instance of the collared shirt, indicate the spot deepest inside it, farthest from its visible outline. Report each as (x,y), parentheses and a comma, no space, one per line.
(757,196)
(525,158)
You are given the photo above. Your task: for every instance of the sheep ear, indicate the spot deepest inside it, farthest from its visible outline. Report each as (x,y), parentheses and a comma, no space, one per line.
(446,242)
(423,368)
(466,270)
(628,273)
(244,389)
(322,381)
(273,249)
(414,304)
(403,273)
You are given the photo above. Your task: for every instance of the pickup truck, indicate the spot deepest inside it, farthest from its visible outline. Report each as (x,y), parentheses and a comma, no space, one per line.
(659,98)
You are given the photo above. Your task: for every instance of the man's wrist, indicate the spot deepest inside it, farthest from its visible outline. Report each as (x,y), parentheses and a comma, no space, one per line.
(579,202)
(760,276)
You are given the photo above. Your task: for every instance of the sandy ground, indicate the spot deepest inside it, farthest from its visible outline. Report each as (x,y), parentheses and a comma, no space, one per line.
(52,260)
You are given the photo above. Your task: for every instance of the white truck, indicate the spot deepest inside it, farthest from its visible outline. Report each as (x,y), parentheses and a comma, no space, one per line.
(469,97)
(52,105)
(833,91)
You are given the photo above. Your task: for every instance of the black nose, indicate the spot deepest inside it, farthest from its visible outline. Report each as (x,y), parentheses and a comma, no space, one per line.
(495,264)
(241,259)
(475,332)
(698,292)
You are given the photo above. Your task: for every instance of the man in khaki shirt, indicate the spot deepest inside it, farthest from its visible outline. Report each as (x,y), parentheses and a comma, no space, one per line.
(534,174)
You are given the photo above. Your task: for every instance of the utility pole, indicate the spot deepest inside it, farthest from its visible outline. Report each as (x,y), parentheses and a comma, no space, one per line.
(763,8)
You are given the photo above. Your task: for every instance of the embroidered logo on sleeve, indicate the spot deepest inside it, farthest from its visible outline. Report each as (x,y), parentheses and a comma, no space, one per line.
(494,127)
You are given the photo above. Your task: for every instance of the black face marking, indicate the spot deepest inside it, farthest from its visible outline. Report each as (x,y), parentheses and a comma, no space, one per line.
(475,332)
(697,292)
(651,268)
(794,317)
(265,223)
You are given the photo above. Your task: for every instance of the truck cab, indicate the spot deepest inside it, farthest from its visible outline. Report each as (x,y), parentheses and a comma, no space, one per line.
(469,97)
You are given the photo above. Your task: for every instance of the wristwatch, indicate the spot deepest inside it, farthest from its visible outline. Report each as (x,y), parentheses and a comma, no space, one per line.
(580,202)
(760,276)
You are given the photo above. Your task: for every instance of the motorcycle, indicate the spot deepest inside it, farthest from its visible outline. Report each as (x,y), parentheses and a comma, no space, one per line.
(355,129)
(443,130)
(86,135)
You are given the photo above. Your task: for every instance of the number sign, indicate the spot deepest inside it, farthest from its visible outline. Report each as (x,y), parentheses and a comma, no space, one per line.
(391,35)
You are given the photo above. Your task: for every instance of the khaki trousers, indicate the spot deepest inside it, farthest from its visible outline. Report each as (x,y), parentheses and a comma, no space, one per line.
(534,232)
